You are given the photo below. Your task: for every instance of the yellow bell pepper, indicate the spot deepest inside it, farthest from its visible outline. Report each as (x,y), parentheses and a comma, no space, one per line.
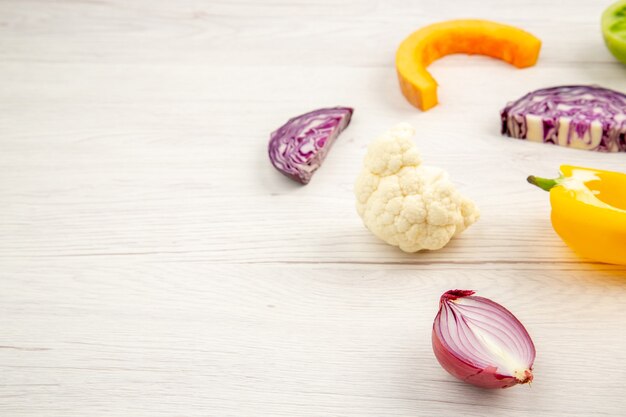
(589,211)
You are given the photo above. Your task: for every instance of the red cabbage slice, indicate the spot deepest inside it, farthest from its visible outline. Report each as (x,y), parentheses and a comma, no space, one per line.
(578,116)
(298,148)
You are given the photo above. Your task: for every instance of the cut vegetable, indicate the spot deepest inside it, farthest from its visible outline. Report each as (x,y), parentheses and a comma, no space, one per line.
(582,117)
(589,211)
(481,342)
(614,29)
(298,148)
(430,43)
(405,203)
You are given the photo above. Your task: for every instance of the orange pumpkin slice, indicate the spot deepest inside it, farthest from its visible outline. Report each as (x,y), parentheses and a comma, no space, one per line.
(430,43)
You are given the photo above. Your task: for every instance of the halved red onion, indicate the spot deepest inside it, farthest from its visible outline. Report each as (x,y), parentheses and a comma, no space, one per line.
(298,148)
(481,342)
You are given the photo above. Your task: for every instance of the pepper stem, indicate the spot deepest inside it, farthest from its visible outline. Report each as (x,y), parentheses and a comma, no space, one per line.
(544,183)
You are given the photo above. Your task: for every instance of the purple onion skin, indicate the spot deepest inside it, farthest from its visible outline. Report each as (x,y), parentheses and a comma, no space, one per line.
(487,377)
(298,148)
(583,105)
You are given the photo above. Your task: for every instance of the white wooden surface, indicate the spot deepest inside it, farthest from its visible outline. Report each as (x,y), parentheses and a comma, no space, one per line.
(152,263)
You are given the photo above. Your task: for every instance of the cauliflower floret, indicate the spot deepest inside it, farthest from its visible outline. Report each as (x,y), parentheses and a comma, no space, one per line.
(405,203)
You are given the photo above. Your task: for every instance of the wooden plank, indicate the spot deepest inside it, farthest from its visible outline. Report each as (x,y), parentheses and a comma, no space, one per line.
(127,338)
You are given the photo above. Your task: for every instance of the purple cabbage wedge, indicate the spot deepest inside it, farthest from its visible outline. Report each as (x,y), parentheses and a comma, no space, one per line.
(579,116)
(298,148)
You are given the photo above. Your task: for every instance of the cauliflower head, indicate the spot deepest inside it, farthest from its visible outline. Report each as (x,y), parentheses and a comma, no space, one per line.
(405,203)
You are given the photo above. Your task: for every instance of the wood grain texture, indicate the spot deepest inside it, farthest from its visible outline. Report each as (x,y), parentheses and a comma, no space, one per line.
(154,264)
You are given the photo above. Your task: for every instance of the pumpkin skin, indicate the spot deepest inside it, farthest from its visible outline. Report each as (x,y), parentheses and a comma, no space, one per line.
(432,42)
